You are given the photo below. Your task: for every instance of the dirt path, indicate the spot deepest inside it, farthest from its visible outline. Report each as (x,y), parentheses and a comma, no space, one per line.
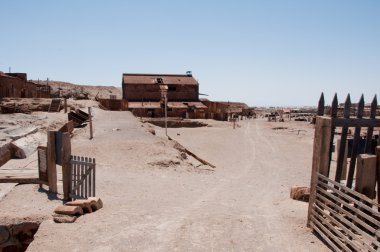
(243,205)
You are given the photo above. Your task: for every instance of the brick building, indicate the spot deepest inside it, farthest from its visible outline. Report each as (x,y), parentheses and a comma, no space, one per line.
(144,95)
(222,111)
(16,85)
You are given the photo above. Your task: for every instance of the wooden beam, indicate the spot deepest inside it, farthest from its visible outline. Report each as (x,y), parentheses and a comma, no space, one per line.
(321,157)
(356,122)
(90,121)
(52,169)
(366,175)
(378,173)
(31,180)
(66,166)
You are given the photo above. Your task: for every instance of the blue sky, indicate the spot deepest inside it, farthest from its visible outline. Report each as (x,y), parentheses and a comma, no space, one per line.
(271,52)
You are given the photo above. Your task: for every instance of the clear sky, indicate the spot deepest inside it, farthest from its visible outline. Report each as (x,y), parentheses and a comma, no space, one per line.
(268,52)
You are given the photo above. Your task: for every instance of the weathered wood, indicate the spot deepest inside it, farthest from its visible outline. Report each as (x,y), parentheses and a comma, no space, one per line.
(368,145)
(22,180)
(356,122)
(334,114)
(321,158)
(378,174)
(90,121)
(366,175)
(52,169)
(355,144)
(66,166)
(324,236)
(348,192)
(337,218)
(65,104)
(321,105)
(343,172)
(324,196)
(342,158)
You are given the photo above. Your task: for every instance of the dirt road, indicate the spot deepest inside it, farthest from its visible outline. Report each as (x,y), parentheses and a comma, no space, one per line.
(242,205)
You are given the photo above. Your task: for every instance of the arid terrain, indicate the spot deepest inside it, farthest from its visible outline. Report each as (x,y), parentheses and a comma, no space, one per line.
(158,199)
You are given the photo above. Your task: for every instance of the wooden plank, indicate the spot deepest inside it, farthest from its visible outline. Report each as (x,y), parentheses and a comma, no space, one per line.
(347,213)
(378,174)
(355,144)
(366,175)
(342,158)
(338,219)
(66,165)
(368,145)
(325,237)
(82,177)
(90,121)
(52,169)
(94,177)
(343,173)
(348,190)
(321,160)
(23,180)
(336,233)
(357,210)
(331,236)
(355,122)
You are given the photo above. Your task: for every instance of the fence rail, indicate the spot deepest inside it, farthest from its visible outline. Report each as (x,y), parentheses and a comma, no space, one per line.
(83,177)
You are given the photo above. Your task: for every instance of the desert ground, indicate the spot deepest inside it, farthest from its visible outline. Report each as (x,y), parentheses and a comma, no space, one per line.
(158,199)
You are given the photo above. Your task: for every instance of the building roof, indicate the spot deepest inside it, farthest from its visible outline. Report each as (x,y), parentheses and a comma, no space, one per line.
(168,79)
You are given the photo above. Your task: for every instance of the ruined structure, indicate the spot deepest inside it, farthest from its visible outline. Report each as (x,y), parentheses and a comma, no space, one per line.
(144,95)
(222,111)
(16,85)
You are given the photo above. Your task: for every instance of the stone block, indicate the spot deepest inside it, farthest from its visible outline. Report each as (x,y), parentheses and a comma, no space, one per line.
(96,203)
(84,204)
(301,193)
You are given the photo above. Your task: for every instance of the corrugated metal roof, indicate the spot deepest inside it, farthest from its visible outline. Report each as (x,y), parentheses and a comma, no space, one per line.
(168,79)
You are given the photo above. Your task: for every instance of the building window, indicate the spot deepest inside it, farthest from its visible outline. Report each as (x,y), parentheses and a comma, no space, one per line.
(172,88)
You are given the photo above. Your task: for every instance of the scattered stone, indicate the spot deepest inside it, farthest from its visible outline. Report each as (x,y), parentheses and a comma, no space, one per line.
(59,218)
(69,210)
(301,193)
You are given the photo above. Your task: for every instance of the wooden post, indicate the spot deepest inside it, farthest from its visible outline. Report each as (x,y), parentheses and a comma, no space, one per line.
(52,169)
(321,157)
(90,121)
(343,175)
(366,175)
(378,173)
(66,166)
(65,103)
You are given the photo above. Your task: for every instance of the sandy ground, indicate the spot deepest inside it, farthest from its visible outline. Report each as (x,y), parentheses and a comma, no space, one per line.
(154,200)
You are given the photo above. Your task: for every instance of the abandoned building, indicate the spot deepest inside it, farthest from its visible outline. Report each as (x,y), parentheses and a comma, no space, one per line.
(223,111)
(16,85)
(145,94)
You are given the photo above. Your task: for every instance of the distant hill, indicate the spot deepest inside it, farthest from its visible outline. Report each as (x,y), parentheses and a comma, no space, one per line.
(66,89)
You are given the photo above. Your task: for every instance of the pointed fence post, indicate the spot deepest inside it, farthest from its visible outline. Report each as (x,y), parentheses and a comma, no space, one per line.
(355,144)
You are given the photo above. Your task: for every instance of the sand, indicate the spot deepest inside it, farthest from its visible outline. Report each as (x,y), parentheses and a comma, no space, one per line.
(155,200)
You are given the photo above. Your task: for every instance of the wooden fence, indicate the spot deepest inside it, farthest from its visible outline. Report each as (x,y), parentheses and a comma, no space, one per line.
(83,177)
(344,212)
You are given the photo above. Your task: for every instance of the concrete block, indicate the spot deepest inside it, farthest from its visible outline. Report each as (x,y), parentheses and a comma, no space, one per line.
(60,218)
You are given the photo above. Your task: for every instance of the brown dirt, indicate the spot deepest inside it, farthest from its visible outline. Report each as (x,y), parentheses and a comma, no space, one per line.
(156,200)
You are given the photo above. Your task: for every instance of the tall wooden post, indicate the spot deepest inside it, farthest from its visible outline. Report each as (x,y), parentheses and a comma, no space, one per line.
(65,104)
(366,175)
(321,157)
(378,173)
(51,166)
(90,121)
(66,166)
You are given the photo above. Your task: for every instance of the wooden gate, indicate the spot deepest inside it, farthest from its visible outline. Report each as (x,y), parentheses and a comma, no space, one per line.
(343,209)
(82,177)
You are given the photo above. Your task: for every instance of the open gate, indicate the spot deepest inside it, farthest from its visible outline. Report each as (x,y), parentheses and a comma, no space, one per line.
(82,177)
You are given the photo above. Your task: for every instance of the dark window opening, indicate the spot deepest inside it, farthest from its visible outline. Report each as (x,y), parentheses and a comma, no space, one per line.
(172,88)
